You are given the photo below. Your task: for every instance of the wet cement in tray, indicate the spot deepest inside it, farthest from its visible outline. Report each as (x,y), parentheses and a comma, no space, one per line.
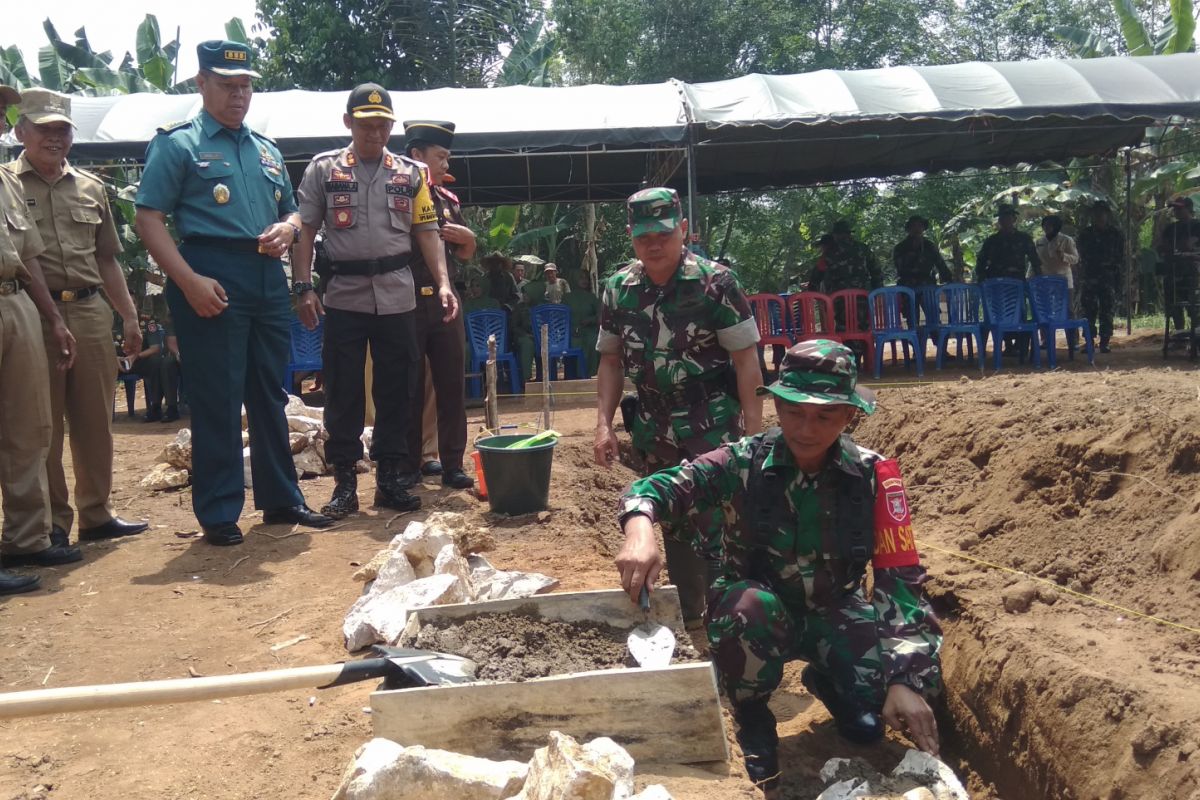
(517,647)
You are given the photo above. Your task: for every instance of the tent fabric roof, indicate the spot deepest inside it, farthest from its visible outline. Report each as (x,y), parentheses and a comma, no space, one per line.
(758,131)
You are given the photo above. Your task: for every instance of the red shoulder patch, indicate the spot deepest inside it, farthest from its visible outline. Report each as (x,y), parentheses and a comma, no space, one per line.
(444,192)
(894,542)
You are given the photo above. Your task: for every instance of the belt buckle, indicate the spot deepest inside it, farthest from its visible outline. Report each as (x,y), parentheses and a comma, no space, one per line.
(68,295)
(8,287)
(372,267)
(426,291)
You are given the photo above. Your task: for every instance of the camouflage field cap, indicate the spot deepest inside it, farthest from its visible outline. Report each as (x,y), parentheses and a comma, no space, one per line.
(655,210)
(821,372)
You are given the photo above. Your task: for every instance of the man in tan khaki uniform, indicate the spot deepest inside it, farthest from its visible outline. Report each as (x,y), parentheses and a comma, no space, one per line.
(24,388)
(73,216)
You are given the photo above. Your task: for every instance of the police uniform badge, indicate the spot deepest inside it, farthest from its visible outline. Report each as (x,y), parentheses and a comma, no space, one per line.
(341,200)
(278,195)
(401,203)
(221,194)
(388,163)
(341,175)
(343,218)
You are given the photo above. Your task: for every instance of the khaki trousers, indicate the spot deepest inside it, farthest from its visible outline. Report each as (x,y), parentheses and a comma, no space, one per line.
(24,427)
(83,395)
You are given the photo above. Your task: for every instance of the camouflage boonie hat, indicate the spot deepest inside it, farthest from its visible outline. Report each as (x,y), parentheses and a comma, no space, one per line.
(655,210)
(821,372)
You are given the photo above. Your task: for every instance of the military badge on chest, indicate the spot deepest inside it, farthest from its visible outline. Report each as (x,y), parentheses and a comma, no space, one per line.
(269,162)
(221,194)
(343,218)
(401,203)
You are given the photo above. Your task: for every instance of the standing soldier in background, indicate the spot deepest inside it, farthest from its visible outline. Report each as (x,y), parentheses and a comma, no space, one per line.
(235,211)
(76,224)
(850,263)
(585,316)
(25,386)
(917,260)
(374,206)
(1101,253)
(1007,253)
(680,328)
(1179,248)
(441,428)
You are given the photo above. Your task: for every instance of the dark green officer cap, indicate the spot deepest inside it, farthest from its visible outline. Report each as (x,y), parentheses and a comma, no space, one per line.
(226,58)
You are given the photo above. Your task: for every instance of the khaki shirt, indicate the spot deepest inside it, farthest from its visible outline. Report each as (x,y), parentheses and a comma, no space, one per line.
(19,237)
(367,216)
(75,221)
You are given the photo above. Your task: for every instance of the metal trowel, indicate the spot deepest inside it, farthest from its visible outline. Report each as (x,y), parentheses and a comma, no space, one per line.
(650,644)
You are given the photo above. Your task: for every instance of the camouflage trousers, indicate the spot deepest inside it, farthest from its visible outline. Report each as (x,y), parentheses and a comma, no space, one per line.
(752,634)
(1097,304)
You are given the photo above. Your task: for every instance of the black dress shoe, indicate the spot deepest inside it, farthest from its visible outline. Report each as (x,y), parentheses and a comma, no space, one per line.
(153,415)
(59,537)
(12,583)
(50,557)
(223,535)
(457,479)
(432,467)
(297,515)
(112,529)
(172,414)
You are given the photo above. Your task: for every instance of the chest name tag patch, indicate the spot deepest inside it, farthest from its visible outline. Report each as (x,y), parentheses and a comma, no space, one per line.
(341,186)
(894,542)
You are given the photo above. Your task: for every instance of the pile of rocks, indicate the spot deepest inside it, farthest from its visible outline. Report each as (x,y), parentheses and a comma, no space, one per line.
(918,776)
(306,432)
(432,563)
(562,770)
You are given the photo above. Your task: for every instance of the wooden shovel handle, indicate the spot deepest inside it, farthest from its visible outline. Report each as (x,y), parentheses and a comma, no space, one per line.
(122,695)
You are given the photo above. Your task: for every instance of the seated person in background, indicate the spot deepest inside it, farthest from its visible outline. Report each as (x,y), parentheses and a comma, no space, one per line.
(585,319)
(159,371)
(476,300)
(502,287)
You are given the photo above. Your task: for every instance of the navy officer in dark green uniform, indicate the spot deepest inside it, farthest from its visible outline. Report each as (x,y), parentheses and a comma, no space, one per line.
(236,215)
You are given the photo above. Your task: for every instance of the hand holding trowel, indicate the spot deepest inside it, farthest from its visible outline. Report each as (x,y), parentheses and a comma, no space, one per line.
(398,667)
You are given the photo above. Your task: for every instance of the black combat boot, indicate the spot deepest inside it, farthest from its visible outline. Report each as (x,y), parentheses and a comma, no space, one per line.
(759,742)
(344,501)
(852,721)
(391,490)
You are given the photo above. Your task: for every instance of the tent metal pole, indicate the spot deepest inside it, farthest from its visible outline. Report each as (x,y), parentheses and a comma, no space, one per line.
(691,179)
(1128,243)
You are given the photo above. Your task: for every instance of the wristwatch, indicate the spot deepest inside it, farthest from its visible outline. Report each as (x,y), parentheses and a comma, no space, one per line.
(295,233)
(300,287)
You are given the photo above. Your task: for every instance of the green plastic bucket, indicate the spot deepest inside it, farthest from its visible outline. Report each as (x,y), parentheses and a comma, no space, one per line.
(518,481)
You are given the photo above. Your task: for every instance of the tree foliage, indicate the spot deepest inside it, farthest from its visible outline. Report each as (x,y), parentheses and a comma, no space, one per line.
(402,44)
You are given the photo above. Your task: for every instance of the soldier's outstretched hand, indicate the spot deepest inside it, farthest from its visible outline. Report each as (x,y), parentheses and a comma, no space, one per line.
(905,709)
(605,449)
(639,560)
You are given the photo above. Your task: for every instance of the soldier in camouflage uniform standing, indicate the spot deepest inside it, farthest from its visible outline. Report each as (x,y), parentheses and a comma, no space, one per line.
(1007,253)
(805,509)
(1101,252)
(680,327)
(850,264)
(917,260)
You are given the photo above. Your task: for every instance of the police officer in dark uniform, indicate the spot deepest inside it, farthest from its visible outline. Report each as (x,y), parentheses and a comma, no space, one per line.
(429,141)
(377,213)
(236,214)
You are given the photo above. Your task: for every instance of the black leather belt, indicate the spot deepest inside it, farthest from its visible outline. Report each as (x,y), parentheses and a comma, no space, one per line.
(369,266)
(73,295)
(10,286)
(691,394)
(224,243)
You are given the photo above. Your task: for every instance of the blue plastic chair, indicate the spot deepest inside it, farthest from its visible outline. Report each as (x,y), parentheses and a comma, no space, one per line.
(931,313)
(558,318)
(481,325)
(888,307)
(962,321)
(305,353)
(130,381)
(1004,313)
(1050,299)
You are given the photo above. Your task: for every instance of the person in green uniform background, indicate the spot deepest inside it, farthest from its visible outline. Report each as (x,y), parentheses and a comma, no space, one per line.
(585,319)
(236,214)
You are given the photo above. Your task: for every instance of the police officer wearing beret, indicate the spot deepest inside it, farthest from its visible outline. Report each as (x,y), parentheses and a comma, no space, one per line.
(440,343)
(374,205)
(236,215)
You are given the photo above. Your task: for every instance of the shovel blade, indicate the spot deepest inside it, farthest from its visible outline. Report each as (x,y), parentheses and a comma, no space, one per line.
(651,645)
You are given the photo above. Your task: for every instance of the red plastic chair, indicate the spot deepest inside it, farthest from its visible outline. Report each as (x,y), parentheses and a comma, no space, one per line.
(850,326)
(770,314)
(812,316)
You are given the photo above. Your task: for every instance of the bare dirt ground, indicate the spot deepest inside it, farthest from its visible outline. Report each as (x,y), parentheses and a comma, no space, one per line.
(1084,477)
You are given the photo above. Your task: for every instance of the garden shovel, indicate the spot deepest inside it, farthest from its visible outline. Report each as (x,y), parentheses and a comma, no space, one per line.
(650,644)
(399,668)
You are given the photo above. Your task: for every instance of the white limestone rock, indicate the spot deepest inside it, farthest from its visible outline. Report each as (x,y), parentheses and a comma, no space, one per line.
(247,475)
(295,407)
(449,562)
(309,464)
(846,790)
(421,542)
(830,771)
(302,424)
(941,780)
(490,583)
(178,452)
(163,477)
(653,792)
(566,770)
(381,616)
(384,770)
(299,441)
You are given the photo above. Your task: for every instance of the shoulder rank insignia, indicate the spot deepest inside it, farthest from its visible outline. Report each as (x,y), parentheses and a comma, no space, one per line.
(449,195)
(174,126)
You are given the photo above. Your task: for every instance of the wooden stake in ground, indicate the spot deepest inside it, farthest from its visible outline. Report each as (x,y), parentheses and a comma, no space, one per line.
(491,406)
(545,377)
